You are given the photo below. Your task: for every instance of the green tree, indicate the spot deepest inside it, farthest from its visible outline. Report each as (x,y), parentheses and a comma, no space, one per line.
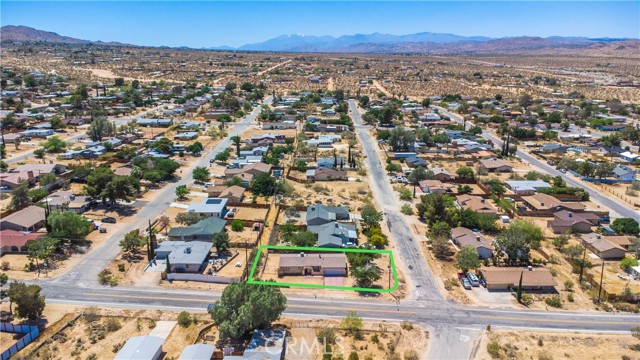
(20,197)
(47,179)
(101,128)
(237,225)
(182,192)
(39,153)
(223,156)
(201,174)
(163,146)
(467,258)
(366,276)
(352,322)
(67,224)
(244,307)
(236,140)
(627,263)
(370,216)
(221,242)
(515,245)
(29,303)
(42,250)
(263,184)
(196,148)
(184,319)
(465,172)
(304,239)
(120,188)
(188,218)
(132,241)
(393,167)
(440,229)
(54,144)
(435,207)
(441,247)
(626,226)
(57,123)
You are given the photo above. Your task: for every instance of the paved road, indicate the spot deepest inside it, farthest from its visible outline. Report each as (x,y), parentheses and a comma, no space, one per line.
(416,269)
(85,273)
(609,203)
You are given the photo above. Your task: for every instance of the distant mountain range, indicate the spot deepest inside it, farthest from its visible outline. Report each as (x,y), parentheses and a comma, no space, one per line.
(425,42)
(12,33)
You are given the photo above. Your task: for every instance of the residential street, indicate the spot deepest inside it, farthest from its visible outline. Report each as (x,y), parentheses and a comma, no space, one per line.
(85,273)
(617,208)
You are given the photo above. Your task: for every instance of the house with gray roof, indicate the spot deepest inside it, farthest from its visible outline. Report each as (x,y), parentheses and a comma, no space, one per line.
(146,347)
(203,230)
(264,345)
(624,173)
(335,234)
(197,352)
(184,256)
(526,187)
(210,207)
(318,214)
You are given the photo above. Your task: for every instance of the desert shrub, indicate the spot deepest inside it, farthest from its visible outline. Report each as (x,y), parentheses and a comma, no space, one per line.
(92,356)
(493,348)
(568,285)
(526,299)
(151,324)
(554,301)
(184,319)
(326,335)
(545,356)
(636,332)
(411,355)
(121,267)
(635,347)
(117,346)
(353,356)
(90,314)
(112,324)
(237,225)
(570,298)
(406,209)
(406,325)
(450,284)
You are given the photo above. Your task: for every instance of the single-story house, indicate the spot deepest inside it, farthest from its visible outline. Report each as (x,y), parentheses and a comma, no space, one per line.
(550,204)
(154,122)
(302,264)
(504,278)
(30,218)
(282,125)
(187,135)
(202,230)
(264,345)
(495,165)
(553,148)
(147,347)
(210,207)
(566,221)
(335,234)
(69,201)
(197,352)
(476,203)
(415,162)
(623,241)
(441,174)
(462,236)
(41,169)
(184,256)
(624,173)
(605,249)
(526,187)
(12,138)
(234,193)
(12,241)
(629,156)
(14,179)
(331,162)
(434,186)
(256,151)
(318,214)
(40,133)
(326,174)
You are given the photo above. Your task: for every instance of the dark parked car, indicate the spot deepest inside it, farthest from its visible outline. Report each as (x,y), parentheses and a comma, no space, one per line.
(109,220)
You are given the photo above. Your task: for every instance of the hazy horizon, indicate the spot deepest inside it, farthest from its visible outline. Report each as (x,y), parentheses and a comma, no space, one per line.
(215,24)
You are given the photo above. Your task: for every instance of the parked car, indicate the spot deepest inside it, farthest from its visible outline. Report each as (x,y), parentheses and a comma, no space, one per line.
(465,283)
(211,161)
(109,220)
(103,230)
(473,279)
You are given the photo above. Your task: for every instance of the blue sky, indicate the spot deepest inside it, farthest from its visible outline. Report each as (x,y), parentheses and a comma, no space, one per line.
(205,24)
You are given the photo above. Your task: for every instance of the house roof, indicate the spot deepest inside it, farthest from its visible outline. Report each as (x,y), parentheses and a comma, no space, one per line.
(547,202)
(232,191)
(623,241)
(59,198)
(140,347)
(602,244)
(329,213)
(334,233)
(26,217)
(434,185)
(511,276)
(208,226)
(464,237)
(209,205)
(576,217)
(476,203)
(185,252)
(197,352)
(437,170)
(320,259)
(521,185)
(16,238)
(494,163)
(38,168)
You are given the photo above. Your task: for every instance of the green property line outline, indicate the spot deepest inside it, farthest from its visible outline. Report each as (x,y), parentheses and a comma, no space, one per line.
(250,279)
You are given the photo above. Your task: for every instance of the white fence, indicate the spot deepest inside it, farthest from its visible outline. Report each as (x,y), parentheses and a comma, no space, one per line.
(201,278)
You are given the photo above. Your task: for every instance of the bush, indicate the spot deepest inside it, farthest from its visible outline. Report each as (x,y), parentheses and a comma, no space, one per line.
(112,324)
(326,335)
(450,284)
(90,314)
(568,285)
(406,325)
(493,348)
(121,267)
(184,319)
(635,347)
(92,356)
(237,225)
(526,299)
(353,356)
(106,278)
(554,301)
(411,355)
(636,332)
(406,209)
(570,297)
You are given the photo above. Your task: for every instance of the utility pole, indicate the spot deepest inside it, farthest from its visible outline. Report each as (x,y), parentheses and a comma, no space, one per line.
(584,256)
(601,276)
